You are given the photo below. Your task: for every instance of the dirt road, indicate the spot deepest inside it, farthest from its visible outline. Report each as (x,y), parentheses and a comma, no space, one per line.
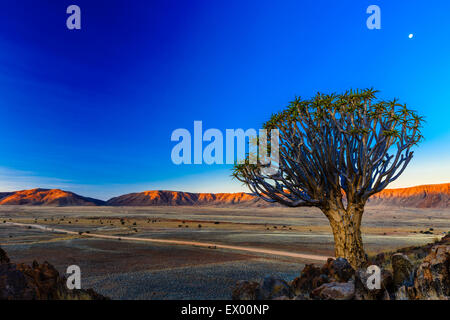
(176,242)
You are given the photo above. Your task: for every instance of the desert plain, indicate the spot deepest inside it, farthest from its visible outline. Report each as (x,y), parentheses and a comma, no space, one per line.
(237,243)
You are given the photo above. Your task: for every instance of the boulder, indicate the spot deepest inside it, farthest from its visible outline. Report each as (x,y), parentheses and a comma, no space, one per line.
(335,291)
(340,269)
(310,278)
(403,270)
(245,290)
(362,290)
(271,288)
(405,293)
(432,279)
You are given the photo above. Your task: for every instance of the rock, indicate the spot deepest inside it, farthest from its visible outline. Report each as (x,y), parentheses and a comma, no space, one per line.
(405,293)
(401,294)
(310,278)
(14,285)
(433,275)
(403,270)
(37,282)
(363,292)
(44,278)
(431,280)
(245,290)
(320,280)
(339,269)
(379,260)
(45,281)
(301,297)
(271,288)
(3,257)
(342,270)
(282,298)
(445,239)
(335,291)
(327,266)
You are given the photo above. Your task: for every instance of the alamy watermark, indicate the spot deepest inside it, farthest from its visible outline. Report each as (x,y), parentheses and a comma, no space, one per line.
(74,278)
(374,279)
(250,145)
(374,20)
(74,20)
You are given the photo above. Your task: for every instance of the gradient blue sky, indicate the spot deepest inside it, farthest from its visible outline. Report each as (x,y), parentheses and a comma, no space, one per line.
(93,110)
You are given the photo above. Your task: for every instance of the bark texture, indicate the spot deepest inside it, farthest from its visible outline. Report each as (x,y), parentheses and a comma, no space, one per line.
(346,226)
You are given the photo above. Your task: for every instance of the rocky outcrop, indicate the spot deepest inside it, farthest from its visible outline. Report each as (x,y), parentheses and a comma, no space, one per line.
(362,290)
(428,277)
(312,277)
(403,270)
(335,291)
(245,290)
(338,270)
(309,279)
(269,288)
(334,280)
(432,279)
(37,282)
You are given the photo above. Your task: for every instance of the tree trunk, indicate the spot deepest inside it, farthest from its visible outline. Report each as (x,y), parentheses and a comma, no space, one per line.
(346,226)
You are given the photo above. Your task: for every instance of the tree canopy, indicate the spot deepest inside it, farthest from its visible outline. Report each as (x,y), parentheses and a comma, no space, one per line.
(335,146)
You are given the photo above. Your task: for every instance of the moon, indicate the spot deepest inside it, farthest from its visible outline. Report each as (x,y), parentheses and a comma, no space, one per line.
(410,36)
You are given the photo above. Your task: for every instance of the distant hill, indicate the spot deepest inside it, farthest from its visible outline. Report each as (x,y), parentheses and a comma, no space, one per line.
(46,197)
(5,194)
(426,196)
(178,198)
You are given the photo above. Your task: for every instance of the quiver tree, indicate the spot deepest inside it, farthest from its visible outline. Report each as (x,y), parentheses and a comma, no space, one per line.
(335,151)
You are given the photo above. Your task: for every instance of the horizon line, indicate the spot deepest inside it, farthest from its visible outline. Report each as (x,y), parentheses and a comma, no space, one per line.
(160,190)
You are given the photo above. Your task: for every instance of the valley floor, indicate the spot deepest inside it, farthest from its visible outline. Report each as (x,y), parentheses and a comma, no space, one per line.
(133,270)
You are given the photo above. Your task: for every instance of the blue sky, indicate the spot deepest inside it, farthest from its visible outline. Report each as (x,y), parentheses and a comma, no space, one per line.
(92,110)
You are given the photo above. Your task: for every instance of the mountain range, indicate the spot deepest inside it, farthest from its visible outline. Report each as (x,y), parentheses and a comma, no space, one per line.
(179,198)
(425,196)
(47,197)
